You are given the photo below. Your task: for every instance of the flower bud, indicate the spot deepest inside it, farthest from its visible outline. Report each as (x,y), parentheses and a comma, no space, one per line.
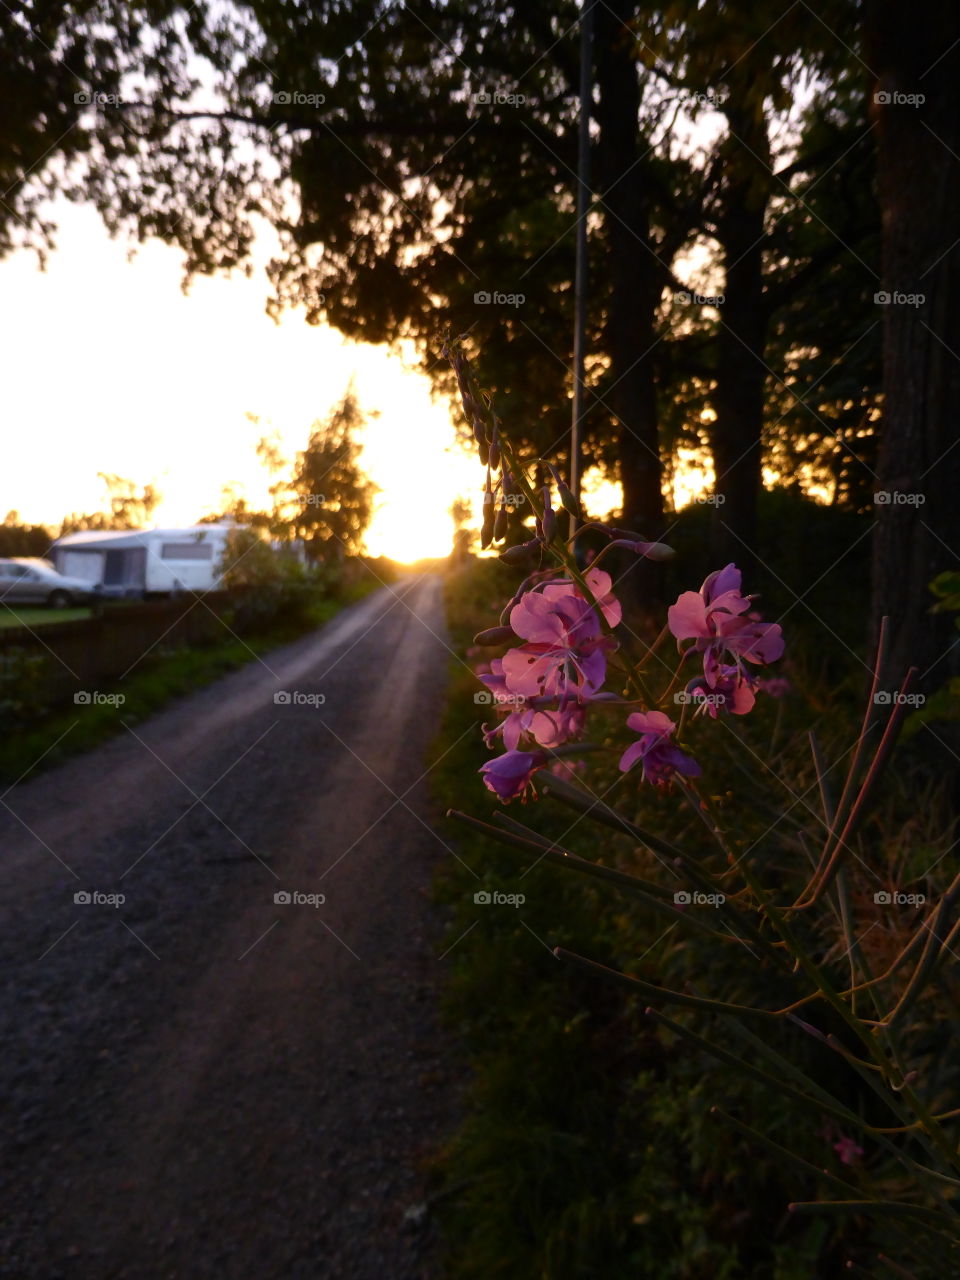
(567,500)
(549,525)
(520,553)
(500,525)
(649,550)
(494,636)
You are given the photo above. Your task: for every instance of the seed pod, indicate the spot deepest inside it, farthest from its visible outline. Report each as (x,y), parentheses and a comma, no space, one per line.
(484,451)
(495,455)
(500,525)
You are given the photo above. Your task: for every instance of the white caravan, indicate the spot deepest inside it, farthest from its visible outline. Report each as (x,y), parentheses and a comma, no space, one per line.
(142,562)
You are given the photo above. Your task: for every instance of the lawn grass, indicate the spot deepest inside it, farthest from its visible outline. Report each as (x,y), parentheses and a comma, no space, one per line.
(34,616)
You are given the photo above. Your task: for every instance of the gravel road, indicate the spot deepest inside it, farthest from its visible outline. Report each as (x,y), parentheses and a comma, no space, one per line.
(204,1080)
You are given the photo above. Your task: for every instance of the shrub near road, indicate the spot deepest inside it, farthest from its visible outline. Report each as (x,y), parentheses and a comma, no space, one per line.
(589,1148)
(593,1146)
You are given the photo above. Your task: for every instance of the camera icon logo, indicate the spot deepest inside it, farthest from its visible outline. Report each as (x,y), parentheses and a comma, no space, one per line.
(481,97)
(682,697)
(882,898)
(482,298)
(882,98)
(682,295)
(483,698)
(482,897)
(82,897)
(82,99)
(281,697)
(881,498)
(882,698)
(682,898)
(282,898)
(882,299)
(281,99)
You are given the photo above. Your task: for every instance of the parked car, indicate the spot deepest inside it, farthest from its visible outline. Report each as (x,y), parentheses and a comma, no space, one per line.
(29,580)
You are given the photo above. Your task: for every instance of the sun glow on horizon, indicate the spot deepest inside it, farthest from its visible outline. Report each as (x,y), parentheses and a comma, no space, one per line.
(110,368)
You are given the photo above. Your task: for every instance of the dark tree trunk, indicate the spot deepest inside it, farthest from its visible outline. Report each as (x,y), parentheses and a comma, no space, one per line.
(917,532)
(634,280)
(735,436)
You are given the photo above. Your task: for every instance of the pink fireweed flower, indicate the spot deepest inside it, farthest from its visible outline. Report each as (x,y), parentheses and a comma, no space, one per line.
(553,726)
(848,1150)
(519,714)
(732,691)
(511,775)
(565,651)
(718,620)
(600,585)
(548,721)
(661,757)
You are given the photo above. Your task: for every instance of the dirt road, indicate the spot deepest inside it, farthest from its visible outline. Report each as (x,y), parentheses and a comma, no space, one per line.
(205,1079)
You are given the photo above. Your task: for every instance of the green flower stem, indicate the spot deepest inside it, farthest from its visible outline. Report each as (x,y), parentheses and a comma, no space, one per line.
(858,809)
(650,894)
(932,950)
(660,993)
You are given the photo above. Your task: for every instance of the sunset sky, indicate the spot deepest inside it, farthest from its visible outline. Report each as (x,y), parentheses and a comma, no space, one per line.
(109,367)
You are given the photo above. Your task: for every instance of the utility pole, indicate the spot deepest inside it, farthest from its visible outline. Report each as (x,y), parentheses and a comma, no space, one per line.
(583,202)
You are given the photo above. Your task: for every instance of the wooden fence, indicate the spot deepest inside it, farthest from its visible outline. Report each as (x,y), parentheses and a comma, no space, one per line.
(65,658)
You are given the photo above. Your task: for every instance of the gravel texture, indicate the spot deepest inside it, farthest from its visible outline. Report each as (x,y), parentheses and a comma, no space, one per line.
(202,1081)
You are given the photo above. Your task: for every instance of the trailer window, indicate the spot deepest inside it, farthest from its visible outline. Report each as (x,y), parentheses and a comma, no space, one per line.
(186,551)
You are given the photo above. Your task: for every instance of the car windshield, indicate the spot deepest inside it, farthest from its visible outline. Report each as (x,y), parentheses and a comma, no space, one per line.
(36,562)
